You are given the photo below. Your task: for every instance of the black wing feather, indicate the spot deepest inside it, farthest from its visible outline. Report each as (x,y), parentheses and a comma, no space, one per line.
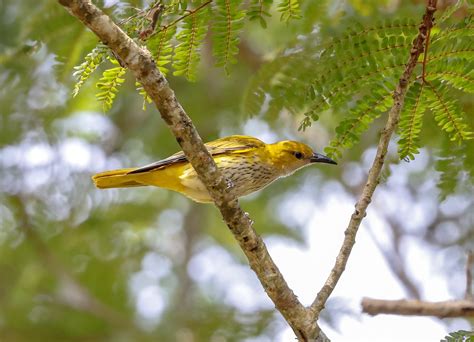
(160,164)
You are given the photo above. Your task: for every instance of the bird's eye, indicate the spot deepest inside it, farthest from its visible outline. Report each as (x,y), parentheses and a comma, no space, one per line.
(298,155)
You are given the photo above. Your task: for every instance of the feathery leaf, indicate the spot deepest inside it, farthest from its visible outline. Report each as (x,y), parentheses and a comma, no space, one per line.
(258,10)
(187,52)
(364,112)
(83,71)
(144,94)
(289,9)
(161,48)
(108,85)
(411,120)
(227,25)
(447,112)
(458,73)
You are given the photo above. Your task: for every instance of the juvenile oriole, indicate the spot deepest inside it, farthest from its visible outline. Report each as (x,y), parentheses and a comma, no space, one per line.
(248,163)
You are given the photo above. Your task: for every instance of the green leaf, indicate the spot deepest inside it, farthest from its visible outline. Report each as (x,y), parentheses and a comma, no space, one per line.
(144,94)
(187,53)
(457,72)
(449,10)
(459,30)
(455,166)
(258,10)
(289,9)
(161,48)
(83,71)
(447,112)
(448,49)
(364,112)
(227,25)
(108,85)
(411,120)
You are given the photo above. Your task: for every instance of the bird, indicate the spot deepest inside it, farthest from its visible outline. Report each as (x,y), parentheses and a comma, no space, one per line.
(246,162)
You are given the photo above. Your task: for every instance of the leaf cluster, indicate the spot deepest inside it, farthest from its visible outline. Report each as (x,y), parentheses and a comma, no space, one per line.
(108,84)
(353,75)
(459,336)
(174,32)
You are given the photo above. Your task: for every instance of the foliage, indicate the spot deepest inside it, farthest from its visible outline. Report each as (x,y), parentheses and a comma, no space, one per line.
(228,22)
(259,10)
(186,53)
(289,9)
(459,336)
(411,121)
(144,94)
(161,47)
(446,113)
(456,167)
(90,64)
(108,84)
(356,72)
(315,78)
(174,32)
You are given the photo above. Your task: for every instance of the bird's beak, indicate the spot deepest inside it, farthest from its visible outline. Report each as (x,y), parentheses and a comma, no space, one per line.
(320,158)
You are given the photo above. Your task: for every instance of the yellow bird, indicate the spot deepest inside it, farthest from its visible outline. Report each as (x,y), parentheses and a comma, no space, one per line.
(248,163)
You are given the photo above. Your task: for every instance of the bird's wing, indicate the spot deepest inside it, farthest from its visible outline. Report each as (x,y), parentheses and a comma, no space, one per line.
(234,143)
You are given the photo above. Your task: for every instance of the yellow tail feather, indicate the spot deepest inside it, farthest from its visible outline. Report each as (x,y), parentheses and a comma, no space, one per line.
(116,179)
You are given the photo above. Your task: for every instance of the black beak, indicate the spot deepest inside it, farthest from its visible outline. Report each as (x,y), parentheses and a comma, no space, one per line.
(320,158)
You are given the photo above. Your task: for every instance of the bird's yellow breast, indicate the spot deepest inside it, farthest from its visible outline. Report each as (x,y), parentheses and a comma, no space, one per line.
(246,174)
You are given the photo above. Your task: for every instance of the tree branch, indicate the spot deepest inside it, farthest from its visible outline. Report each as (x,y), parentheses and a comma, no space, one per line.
(185,16)
(140,62)
(375,170)
(449,308)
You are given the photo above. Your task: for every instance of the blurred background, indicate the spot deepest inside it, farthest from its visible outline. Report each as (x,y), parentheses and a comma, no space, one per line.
(80,264)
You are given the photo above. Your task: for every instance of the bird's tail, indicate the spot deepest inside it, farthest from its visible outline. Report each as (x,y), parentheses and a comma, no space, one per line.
(116,179)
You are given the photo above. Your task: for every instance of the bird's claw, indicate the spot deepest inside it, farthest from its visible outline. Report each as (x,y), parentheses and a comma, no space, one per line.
(230,184)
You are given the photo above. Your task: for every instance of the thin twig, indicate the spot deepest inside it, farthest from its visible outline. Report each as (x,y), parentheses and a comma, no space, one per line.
(190,12)
(140,62)
(469,265)
(449,308)
(425,55)
(374,172)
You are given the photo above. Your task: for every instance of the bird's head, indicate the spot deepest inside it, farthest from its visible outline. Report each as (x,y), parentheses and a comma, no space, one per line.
(292,155)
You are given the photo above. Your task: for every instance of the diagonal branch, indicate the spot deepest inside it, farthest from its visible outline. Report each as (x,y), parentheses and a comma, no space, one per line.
(374,173)
(140,62)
